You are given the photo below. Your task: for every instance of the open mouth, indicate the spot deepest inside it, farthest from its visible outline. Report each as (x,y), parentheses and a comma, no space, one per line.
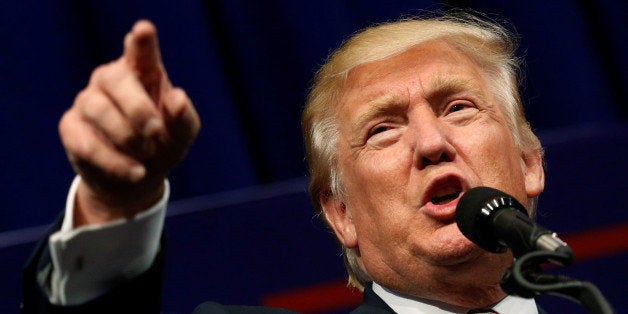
(445,196)
(446,192)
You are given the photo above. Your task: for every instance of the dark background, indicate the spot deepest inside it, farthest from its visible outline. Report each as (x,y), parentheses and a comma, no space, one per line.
(247,65)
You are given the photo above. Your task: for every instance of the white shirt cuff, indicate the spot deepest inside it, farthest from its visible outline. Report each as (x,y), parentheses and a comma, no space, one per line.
(90,260)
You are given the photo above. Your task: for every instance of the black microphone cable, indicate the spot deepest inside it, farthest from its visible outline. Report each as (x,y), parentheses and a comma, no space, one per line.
(525,279)
(496,221)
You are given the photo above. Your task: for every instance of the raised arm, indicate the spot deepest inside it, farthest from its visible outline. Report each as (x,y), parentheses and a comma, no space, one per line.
(123,135)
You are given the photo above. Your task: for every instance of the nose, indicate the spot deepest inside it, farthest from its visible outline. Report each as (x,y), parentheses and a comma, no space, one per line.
(431,143)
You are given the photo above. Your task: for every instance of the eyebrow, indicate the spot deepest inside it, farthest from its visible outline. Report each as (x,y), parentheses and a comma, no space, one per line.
(389,104)
(441,86)
(438,87)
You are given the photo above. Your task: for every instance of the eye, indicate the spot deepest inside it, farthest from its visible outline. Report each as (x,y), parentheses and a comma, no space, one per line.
(458,106)
(383,134)
(378,129)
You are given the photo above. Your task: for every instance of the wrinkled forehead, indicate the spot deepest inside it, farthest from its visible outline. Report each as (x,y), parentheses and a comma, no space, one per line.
(425,70)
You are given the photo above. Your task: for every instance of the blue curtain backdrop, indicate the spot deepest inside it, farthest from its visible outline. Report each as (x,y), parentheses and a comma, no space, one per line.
(240,215)
(247,64)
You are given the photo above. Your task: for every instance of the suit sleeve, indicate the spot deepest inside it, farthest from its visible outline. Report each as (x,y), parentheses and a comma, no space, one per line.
(97,269)
(141,294)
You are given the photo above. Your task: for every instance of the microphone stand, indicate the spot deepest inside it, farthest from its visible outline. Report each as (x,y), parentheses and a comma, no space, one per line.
(525,279)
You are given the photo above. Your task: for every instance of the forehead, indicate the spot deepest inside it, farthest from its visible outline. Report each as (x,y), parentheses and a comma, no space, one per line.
(428,69)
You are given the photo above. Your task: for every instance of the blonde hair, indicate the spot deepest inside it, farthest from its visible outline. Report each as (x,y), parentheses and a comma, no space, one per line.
(488,44)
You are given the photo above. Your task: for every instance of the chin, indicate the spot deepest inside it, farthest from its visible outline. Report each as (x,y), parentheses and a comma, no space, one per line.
(450,247)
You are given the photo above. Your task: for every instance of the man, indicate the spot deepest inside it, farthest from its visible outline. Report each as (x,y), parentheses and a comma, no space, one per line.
(400,122)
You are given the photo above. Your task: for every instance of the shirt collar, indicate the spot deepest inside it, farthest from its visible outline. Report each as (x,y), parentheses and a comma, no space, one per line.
(403,304)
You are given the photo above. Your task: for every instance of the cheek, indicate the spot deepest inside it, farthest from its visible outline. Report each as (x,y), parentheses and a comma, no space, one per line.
(494,159)
(380,172)
(375,186)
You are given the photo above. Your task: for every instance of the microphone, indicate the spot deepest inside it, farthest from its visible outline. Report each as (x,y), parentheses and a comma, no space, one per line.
(496,221)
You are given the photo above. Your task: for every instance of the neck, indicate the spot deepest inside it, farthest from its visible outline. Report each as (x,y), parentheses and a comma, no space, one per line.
(461,285)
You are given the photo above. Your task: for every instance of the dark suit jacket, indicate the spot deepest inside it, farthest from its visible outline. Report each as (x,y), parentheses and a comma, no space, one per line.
(372,303)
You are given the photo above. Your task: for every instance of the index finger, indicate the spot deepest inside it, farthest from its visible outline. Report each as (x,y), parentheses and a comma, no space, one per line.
(141,52)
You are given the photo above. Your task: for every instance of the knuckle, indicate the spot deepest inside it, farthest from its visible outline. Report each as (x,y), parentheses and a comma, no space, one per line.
(139,111)
(127,138)
(85,149)
(107,73)
(67,127)
(81,97)
(99,73)
(180,97)
(63,122)
(96,107)
(80,152)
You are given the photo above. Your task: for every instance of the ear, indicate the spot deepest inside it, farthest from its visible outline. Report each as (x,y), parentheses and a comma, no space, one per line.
(534,172)
(340,219)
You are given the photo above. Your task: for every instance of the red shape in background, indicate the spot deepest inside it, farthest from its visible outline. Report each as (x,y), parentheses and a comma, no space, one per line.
(326,297)
(336,296)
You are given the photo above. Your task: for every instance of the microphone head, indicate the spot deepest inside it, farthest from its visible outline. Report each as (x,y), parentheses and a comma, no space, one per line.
(474,213)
